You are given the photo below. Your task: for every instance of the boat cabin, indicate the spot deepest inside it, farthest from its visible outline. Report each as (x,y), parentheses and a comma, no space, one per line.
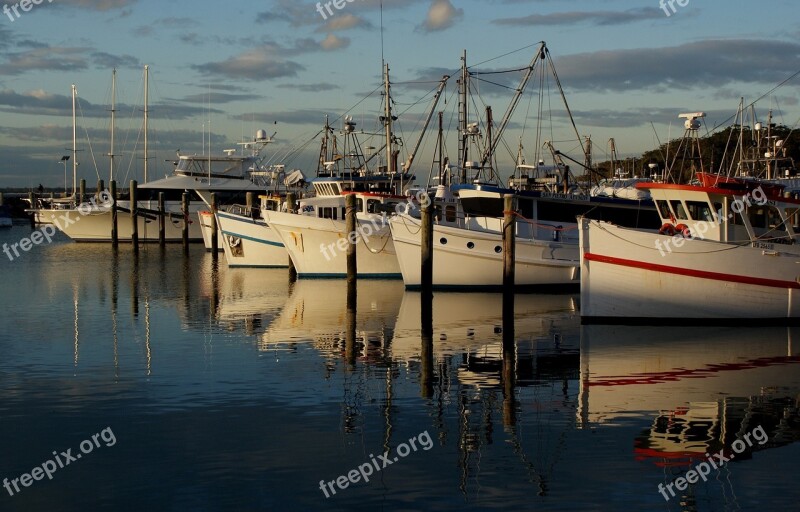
(726,215)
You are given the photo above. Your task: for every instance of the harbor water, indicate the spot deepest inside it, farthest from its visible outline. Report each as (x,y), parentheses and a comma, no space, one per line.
(214,388)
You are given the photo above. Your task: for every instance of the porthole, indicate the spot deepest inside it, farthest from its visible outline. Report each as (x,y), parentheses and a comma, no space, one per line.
(470,245)
(498,249)
(443,241)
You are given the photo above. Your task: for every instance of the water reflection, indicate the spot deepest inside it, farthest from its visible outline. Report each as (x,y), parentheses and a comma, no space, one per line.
(284,383)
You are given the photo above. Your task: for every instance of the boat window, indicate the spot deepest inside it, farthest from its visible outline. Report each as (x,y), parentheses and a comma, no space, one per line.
(677,207)
(450,213)
(327,213)
(359,204)
(373,206)
(700,210)
(757,216)
(344,212)
(663,209)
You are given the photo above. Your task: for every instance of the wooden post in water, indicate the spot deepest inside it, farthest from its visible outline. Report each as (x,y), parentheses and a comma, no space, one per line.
(162,220)
(352,237)
(3,199)
(214,228)
(185,210)
(100,186)
(134,217)
(82,192)
(249,203)
(426,230)
(114,232)
(350,324)
(426,373)
(509,242)
(291,202)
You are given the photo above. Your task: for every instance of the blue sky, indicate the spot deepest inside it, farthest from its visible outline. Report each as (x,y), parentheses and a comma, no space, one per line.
(278,65)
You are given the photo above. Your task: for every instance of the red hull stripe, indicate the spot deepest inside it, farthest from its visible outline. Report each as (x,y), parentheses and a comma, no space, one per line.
(702,274)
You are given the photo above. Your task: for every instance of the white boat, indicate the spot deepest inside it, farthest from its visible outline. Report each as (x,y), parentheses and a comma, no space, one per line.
(316,237)
(722,253)
(247,239)
(470,254)
(229,178)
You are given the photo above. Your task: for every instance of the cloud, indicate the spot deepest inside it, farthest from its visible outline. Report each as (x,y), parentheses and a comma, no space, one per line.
(441,16)
(710,63)
(319,87)
(50,58)
(601,18)
(344,22)
(260,63)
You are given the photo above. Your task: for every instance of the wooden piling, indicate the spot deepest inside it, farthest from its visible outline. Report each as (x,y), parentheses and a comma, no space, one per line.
(426,373)
(134,216)
(352,237)
(249,204)
(114,231)
(185,210)
(426,232)
(162,220)
(509,242)
(2,200)
(100,187)
(350,324)
(81,193)
(291,207)
(214,228)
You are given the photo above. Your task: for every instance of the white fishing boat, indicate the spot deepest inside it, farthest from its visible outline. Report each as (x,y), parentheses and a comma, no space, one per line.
(722,253)
(247,239)
(468,231)
(316,236)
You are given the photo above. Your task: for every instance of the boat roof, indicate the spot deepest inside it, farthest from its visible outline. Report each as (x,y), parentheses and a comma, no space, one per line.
(667,187)
(179,182)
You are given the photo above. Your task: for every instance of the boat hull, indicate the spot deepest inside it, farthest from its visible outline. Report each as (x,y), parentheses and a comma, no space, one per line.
(314,246)
(95,226)
(456,265)
(632,275)
(250,242)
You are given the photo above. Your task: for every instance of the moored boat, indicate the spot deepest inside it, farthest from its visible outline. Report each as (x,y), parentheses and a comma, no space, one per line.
(722,253)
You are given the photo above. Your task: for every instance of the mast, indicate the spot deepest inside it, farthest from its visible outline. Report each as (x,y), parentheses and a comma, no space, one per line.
(438,95)
(74,142)
(146,117)
(388,121)
(113,121)
(463,92)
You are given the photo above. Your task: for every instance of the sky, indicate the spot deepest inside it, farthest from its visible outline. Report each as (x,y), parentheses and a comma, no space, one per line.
(628,69)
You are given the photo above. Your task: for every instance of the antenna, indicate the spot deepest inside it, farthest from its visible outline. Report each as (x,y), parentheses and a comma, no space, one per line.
(383,62)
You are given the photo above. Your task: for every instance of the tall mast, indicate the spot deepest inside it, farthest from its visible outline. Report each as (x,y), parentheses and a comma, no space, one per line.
(463,92)
(74,142)
(113,120)
(146,117)
(388,121)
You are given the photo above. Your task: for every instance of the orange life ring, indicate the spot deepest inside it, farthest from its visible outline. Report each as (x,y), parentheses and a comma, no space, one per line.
(683,229)
(667,229)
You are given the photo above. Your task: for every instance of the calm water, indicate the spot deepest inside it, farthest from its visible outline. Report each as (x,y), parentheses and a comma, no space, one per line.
(240,390)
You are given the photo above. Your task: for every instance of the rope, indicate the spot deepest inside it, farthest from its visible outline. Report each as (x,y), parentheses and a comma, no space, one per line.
(734,245)
(534,223)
